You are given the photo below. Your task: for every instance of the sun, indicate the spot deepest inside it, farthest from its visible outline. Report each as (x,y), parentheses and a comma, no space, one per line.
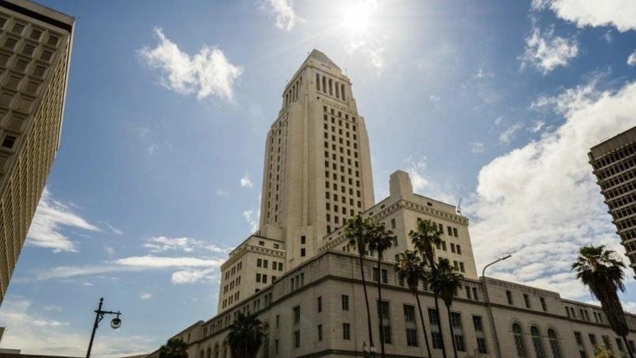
(357,17)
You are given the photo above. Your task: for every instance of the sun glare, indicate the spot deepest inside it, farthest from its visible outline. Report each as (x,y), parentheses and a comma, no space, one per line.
(357,17)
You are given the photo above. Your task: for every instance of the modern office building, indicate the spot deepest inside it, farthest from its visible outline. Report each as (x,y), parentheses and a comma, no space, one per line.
(301,275)
(35,51)
(614,164)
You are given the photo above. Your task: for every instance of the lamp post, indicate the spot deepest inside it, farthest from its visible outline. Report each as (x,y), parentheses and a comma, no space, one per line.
(490,315)
(99,315)
(368,351)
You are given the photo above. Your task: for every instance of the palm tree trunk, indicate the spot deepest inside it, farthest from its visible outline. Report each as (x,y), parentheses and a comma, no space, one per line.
(439,319)
(629,348)
(450,323)
(380,309)
(366,301)
(419,307)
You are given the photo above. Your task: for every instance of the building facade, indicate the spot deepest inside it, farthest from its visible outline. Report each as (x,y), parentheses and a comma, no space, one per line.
(35,51)
(614,165)
(302,277)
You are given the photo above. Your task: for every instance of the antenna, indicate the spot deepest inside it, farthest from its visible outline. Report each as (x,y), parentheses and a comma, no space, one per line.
(458,209)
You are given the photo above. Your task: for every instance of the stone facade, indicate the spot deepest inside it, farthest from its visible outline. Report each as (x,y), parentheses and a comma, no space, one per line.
(614,164)
(302,278)
(35,51)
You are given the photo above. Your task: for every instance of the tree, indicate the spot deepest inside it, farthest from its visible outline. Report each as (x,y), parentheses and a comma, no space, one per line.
(445,281)
(602,272)
(380,239)
(411,269)
(246,336)
(174,348)
(357,231)
(425,238)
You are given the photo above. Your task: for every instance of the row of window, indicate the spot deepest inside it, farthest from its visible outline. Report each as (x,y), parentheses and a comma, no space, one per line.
(611,158)
(229,287)
(236,268)
(262,278)
(526,301)
(537,342)
(330,86)
(584,315)
(292,94)
(264,263)
(611,182)
(615,168)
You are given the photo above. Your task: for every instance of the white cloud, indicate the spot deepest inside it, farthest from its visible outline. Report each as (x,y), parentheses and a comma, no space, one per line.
(538,125)
(477,147)
(286,17)
(145,296)
(193,276)
(374,54)
(221,192)
(499,120)
(617,13)
(608,36)
(37,334)
(143,131)
(112,229)
(529,201)
(164,262)
(152,149)
(208,73)
(423,184)
(162,244)
(510,133)
(631,60)
(50,217)
(252,217)
(435,99)
(545,52)
(246,182)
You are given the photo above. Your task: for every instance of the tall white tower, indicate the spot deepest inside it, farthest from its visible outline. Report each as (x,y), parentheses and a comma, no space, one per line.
(317,169)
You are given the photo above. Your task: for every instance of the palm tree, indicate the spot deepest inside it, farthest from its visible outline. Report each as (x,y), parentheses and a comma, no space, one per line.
(602,272)
(445,281)
(246,336)
(380,239)
(357,231)
(174,348)
(425,238)
(410,268)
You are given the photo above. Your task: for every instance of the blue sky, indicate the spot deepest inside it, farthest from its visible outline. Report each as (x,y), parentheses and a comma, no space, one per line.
(168,105)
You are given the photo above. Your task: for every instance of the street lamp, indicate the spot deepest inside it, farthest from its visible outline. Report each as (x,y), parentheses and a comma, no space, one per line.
(368,351)
(99,315)
(492,319)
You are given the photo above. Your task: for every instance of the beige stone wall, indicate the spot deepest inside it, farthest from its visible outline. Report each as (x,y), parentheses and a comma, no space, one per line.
(34,60)
(334,274)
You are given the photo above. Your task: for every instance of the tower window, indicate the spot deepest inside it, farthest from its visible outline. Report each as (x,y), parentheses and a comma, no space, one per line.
(8,141)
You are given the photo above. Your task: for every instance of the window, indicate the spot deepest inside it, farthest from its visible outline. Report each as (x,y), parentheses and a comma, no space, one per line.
(543,305)
(320,304)
(468,293)
(8,141)
(526,300)
(449,231)
(264,278)
(393,223)
(456,321)
(579,342)
(296,315)
(346,331)
(554,343)
(455,232)
(433,319)
(385,276)
(320,332)
(452,247)
(302,252)
(277,321)
(345,302)
(258,277)
(536,342)
(297,339)
(509,297)
(302,240)
(265,263)
(411,337)
(519,342)
(384,311)
(409,313)
(479,333)
(459,249)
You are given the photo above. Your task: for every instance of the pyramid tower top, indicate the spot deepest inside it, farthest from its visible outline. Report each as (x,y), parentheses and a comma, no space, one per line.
(321,57)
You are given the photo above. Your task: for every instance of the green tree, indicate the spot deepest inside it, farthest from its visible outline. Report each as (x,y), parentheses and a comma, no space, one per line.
(357,230)
(174,348)
(380,239)
(425,238)
(444,281)
(410,268)
(246,336)
(602,272)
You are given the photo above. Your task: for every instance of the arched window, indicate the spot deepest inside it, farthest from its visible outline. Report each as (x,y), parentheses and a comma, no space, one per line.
(536,342)
(517,332)
(554,344)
